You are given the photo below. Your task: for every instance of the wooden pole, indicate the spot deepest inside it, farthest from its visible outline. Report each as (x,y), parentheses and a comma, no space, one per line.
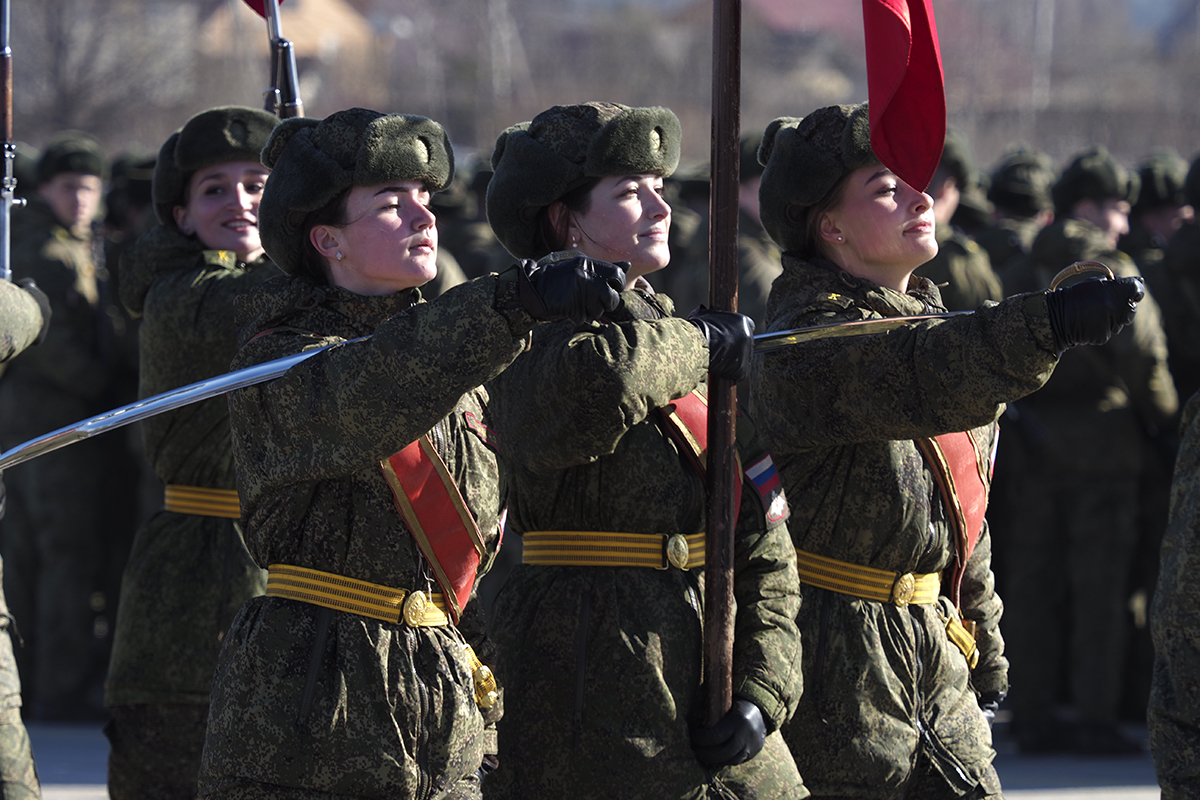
(722,394)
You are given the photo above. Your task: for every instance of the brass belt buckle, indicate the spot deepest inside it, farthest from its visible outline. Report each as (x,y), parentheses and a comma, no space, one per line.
(677,551)
(903,589)
(414,609)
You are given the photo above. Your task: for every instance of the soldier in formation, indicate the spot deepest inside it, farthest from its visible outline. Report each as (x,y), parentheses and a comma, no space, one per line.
(600,629)
(189,571)
(885,459)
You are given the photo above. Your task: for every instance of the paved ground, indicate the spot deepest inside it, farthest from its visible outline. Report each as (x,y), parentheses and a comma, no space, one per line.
(71,760)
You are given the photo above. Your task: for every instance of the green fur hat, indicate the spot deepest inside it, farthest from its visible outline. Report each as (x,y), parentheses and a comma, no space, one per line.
(538,162)
(313,161)
(1021,182)
(1162,177)
(70,151)
(803,158)
(224,133)
(1093,175)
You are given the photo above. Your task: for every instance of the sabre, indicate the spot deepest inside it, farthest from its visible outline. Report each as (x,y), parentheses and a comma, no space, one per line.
(269,370)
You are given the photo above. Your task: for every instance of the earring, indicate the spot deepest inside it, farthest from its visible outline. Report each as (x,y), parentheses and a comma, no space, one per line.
(840,239)
(339,254)
(574,244)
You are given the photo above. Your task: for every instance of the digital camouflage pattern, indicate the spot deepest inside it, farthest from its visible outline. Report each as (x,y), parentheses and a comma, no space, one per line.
(53,542)
(22,320)
(1074,531)
(187,575)
(1174,711)
(962,272)
(309,702)
(884,689)
(602,665)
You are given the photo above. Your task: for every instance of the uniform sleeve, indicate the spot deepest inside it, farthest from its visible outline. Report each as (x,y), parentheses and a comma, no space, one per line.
(766,649)
(920,380)
(571,398)
(982,605)
(21,320)
(67,358)
(1173,714)
(365,400)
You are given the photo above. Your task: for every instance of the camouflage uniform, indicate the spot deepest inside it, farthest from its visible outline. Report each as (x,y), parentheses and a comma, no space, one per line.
(1074,524)
(187,574)
(52,542)
(22,322)
(309,702)
(890,706)
(602,665)
(1177,283)
(1006,240)
(962,271)
(1174,711)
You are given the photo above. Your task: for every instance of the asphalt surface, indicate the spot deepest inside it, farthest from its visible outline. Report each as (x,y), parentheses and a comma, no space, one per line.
(72,758)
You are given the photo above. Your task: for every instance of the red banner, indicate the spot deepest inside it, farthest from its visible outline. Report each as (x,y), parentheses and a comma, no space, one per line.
(905,87)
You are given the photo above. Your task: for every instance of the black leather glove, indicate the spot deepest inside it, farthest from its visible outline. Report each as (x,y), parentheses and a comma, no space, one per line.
(989,704)
(1092,311)
(736,738)
(730,341)
(43,305)
(569,285)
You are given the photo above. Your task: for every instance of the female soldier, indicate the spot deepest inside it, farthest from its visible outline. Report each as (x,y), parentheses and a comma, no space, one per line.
(368,488)
(886,492)
(188,570)
(599,630)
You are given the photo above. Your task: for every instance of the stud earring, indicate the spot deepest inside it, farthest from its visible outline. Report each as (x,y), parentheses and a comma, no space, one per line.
(840,239)
(339,255)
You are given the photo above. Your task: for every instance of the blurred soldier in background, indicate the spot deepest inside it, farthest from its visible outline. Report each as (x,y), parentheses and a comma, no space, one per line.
(463,230)
(961,268)
(1074,525)
(52,541)
(1020,197)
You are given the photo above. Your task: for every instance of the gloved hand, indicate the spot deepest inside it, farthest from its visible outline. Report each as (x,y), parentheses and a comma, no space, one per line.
(736,738)
(43,305)
(989,704)
(570,285)
(730,341)
(1092,311)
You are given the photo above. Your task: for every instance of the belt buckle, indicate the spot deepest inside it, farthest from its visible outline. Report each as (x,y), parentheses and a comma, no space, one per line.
(675,551)
(414,609)
(903,589)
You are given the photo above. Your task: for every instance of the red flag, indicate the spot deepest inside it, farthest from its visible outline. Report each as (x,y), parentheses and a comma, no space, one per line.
(260,6)
(906,87)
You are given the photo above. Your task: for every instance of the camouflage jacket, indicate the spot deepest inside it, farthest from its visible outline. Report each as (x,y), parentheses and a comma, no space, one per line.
(962,271)
(1175,283)
(840,414)
(1174,710)
(59,381)
(187,574)
(1007,239)
(327,701)
(609,658)
(1102,401)
(22,320)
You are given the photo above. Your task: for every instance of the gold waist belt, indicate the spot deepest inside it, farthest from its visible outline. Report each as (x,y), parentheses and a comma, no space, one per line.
(353,596)
(604,549)
(867,582)
(202,501)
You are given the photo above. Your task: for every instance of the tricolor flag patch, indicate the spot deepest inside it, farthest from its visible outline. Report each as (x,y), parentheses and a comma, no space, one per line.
(765,477)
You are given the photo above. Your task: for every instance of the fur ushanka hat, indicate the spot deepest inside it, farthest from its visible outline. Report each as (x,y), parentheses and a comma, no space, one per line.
(70,151)
(803,158)
(313,161)
(536,163)
(224,133)
(1093,175)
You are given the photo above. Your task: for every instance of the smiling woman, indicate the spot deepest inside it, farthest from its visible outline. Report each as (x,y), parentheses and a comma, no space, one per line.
(221,207)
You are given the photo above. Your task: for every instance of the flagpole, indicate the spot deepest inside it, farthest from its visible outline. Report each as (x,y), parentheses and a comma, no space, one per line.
(722,394)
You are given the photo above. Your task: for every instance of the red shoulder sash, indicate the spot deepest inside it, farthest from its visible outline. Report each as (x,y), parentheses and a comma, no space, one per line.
(433,508)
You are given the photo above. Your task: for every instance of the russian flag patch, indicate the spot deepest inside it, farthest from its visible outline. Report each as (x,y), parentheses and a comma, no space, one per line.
(765,477)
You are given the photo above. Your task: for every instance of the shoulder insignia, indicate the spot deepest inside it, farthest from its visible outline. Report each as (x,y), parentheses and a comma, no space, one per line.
(765,477)
(481,430)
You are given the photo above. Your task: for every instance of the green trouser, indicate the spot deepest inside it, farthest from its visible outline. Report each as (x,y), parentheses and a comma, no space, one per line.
(154,751)
(18,775)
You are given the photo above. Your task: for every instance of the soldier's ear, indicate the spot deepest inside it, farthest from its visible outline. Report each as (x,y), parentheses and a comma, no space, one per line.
(326,239)
(182,221)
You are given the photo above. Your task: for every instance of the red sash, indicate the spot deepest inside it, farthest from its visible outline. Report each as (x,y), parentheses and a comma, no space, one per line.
(434,510)
(687,423)
(963,481)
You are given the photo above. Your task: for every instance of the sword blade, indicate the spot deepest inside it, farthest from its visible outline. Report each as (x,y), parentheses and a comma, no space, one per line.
(766,342)
(158,404)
